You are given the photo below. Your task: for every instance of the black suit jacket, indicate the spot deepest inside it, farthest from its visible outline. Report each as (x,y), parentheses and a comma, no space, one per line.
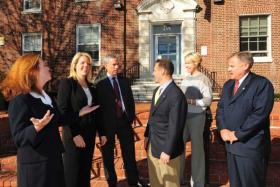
(166,122)
(247,113)
(71,98)
(39,153)
(106,99)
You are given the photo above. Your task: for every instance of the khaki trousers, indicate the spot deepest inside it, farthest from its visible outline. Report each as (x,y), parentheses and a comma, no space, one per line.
(163,175)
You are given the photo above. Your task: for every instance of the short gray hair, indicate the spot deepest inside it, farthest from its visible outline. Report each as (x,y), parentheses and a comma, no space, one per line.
(244,56)
(108,58)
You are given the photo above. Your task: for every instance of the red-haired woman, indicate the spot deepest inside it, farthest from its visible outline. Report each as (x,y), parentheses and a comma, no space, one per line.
(34,119)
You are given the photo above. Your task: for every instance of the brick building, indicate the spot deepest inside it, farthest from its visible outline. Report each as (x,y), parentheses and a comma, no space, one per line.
(154,28)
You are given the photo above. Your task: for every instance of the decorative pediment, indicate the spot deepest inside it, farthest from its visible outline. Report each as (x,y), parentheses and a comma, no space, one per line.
(148,6)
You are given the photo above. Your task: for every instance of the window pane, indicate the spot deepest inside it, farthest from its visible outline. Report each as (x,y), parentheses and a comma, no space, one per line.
(32,42)
(253,46)
(254,22)
(244,22)
(253,39)
(162,49)
(93,50)
(253,31)
(263,39)
(88,35)
(262,46)
(263,30)
(263,21)
(244,32)
(32,4)
(244,46)
(259,54)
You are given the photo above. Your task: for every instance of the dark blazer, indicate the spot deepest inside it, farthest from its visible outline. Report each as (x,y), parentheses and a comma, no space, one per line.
(247,113)
(71,98)
(106,99)
(77,161)
(166,122)
(39,153)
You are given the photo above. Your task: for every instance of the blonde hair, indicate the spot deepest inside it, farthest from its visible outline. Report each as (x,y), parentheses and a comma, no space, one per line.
(73,72)
(194,58)
(22,77)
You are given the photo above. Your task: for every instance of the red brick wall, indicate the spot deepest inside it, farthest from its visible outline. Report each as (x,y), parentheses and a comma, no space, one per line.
(218,29)
(58,23)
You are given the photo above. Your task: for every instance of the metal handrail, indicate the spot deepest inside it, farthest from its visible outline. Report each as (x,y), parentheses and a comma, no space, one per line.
(212,75)
(134,71)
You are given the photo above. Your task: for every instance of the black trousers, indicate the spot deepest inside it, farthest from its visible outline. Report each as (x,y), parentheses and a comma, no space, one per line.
(245,171)
(124,133)
(78,161)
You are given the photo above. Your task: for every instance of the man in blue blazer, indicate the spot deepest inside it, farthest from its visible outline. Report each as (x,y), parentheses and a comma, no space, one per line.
(243,120)
(164,132)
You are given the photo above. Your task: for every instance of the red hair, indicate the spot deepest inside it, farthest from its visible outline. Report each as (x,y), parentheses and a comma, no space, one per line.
(22,76)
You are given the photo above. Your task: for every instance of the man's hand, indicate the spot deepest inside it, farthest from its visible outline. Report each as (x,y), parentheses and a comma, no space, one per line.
(232,137)
(225,134)
(164,158)
(79,141)
(228,135)
(39,124)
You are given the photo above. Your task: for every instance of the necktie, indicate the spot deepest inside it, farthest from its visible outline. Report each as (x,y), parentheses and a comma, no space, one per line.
(236,85)
(157,95)
(117,98)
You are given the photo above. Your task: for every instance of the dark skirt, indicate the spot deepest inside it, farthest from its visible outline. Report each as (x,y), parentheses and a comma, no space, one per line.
(41,174)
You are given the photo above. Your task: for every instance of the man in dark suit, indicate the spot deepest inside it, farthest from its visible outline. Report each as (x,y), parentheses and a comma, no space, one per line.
(118,112)
(243,120)
(164,132)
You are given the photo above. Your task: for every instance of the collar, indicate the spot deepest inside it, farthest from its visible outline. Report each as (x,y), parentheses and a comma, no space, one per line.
(243,78)
(164,85)
(45,98)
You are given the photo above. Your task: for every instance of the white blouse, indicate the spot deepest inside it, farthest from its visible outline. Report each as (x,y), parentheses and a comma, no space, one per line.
(45,98)
(89,96)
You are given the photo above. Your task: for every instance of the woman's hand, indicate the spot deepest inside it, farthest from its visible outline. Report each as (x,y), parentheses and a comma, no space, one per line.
(79,141)
(39,124)
(87,109)
(103,140)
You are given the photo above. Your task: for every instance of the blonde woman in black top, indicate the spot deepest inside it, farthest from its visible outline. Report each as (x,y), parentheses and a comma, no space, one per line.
(79,139)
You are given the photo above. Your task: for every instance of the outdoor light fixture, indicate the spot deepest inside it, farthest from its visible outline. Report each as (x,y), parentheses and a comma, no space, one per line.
(118,5)
(198,8)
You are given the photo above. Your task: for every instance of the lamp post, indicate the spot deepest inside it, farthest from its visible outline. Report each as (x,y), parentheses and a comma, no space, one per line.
(122,7)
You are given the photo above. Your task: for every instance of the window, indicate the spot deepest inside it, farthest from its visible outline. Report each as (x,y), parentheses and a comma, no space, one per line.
(32,42)
(32,5)
(255,36)
(88,40)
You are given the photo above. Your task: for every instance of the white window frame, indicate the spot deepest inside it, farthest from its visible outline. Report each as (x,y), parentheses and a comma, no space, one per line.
(95,63)
(31,10)
(31,34)
(267,58)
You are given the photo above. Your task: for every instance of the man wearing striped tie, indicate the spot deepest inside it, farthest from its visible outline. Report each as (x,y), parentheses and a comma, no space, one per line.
(164,132)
